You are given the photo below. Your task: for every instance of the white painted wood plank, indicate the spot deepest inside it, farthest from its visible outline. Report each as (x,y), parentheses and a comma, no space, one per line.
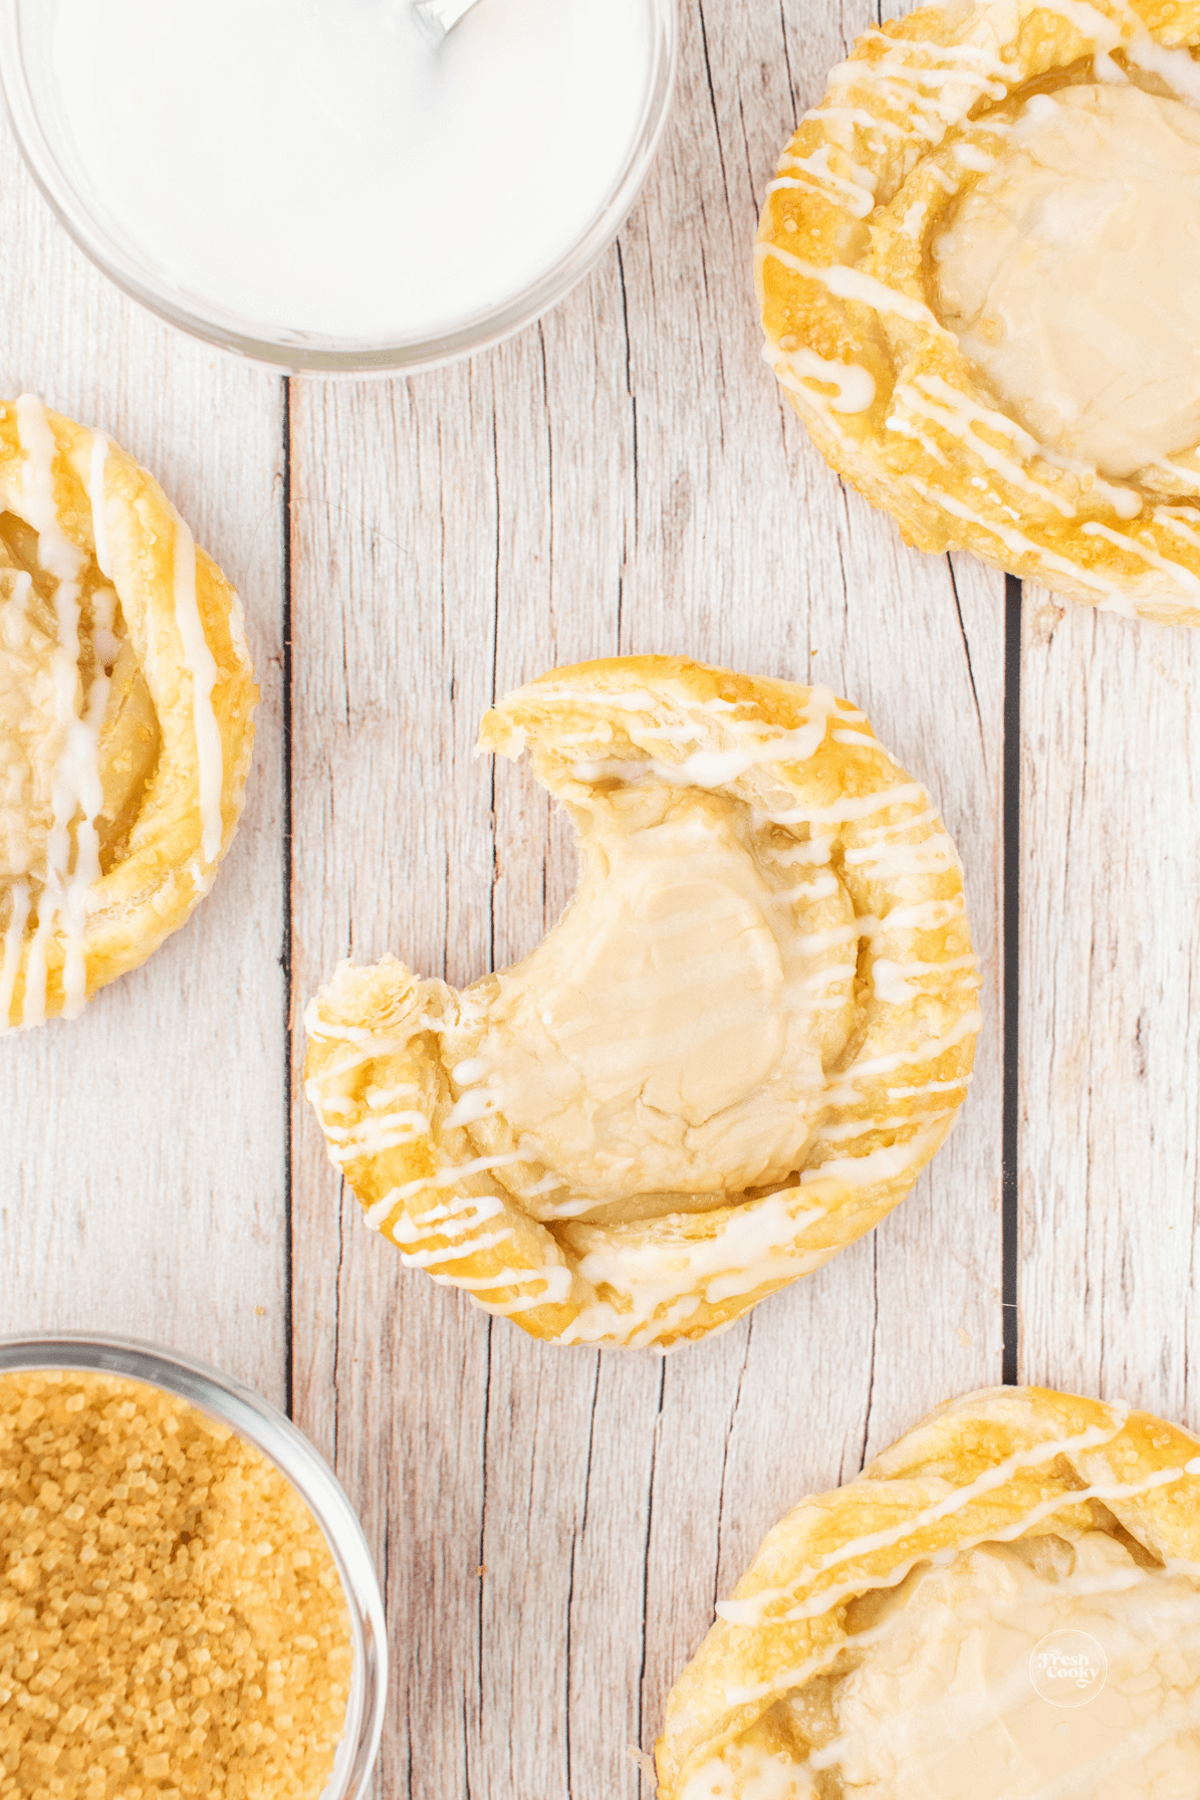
(142,1154)
(1110,1029)
(621,477)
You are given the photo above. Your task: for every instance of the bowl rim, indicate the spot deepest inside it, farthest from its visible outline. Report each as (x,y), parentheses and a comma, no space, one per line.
(315,354)
(232,1403)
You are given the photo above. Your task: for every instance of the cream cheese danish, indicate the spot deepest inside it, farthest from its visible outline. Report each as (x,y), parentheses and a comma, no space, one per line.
(1003,1606)
(126,703)
(748,1033)
(977,268)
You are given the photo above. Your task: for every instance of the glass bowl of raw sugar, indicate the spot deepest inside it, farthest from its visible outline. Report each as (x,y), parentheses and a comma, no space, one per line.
(316,185)
(209,1550)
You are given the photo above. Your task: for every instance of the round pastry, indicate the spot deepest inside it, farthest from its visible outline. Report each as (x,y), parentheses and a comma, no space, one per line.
(1005,1605)
(977,269)
(126,696)
(749,1031)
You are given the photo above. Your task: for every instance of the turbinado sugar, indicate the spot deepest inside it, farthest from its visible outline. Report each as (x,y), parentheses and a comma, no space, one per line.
(172,1622)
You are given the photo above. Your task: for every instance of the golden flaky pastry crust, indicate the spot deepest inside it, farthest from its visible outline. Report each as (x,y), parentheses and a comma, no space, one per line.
(920,112)
(995,1466)
(126,702)
(642,1220)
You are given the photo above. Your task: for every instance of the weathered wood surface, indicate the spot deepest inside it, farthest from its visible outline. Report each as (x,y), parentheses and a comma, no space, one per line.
(142,1146)
(621,477)
(1110,1027)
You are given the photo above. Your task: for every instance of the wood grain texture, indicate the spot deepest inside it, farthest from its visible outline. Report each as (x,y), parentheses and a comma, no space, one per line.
(1110,1027)
(620,477)
(553,1527)
(142,1159)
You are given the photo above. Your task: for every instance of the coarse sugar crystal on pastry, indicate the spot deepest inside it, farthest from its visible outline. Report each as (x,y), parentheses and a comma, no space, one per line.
(1003,1606)
(126,703)
(750,1030)
(977,268)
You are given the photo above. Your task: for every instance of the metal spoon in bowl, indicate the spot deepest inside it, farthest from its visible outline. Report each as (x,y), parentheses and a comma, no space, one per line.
(439,17)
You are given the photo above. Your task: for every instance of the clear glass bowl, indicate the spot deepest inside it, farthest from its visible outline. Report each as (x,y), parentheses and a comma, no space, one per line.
(27,79)
(262,1425)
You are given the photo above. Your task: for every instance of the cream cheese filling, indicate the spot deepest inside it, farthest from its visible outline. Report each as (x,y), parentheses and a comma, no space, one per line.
(671,1034)
(934,1697)
(76,720)
(1070,273)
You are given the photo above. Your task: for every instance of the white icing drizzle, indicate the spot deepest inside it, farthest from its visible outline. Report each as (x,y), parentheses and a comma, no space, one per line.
(933,857)
(1125,501)
(872,832)
(1017,542)
(552,1281)
(202,666)
(883,1164)
(913,222)
(853,807)
(754,1245)
(450,1219)
(1175,66)
(717,768)
(1176,570)
(807,891)
(1164,515)
(1045,1509)
(854,284)
(942,176)
(371,1136)
(956,414)
(855,385)
(950,54)
(13,938)
(931,447)
(858,115)
(893,981)
(447,1177)
(843,1091)
(930,1087)
(926,915)
(75,783)
(468,1072)
(430,1260)
(972,157)
(380,1097)
(857,190)
(753,1609)
(933,95)
(470,1107)
(854,1129)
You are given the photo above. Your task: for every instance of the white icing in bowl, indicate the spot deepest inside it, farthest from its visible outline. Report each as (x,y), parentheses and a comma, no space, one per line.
(307,181)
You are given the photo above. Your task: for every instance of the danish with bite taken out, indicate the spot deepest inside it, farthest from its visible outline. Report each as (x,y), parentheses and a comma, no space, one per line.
(977,270)
(126,703)
(750,1030)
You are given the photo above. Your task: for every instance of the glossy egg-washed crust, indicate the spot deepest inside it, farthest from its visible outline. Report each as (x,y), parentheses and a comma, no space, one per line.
(579,1282)
(1051,1463)
(161,872)
(951,467)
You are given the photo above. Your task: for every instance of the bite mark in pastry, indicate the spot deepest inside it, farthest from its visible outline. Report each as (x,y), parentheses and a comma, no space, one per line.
(731,1057)
(977,269)
(893,1639)
(126,701)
